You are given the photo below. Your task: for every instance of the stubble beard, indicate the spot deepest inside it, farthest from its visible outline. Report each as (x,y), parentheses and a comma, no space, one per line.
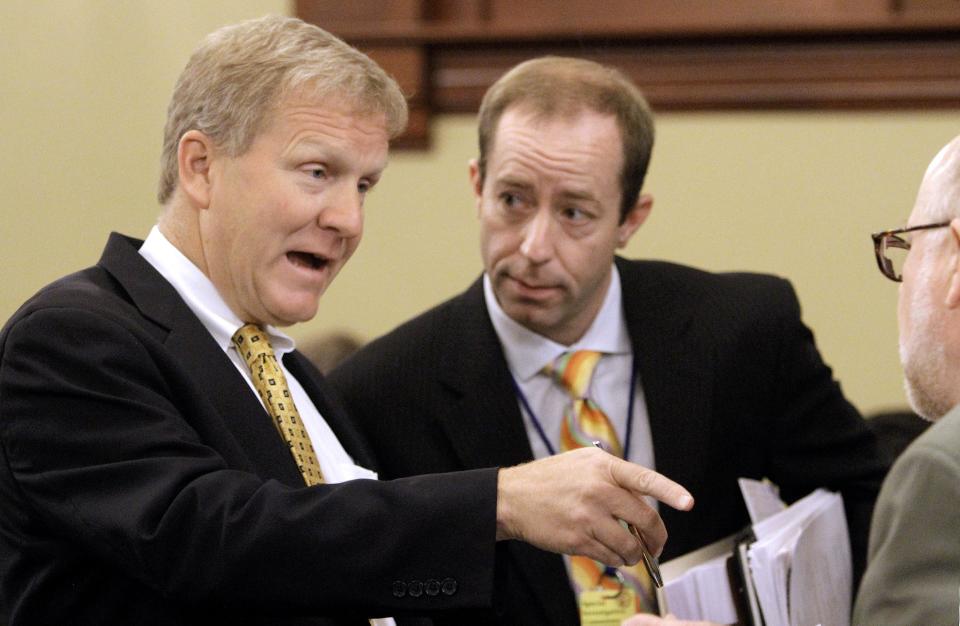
(924,358)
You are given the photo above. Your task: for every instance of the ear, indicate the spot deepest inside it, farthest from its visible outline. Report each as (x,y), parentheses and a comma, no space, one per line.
(635,218)
(953,291)
(194,154)
(476,182)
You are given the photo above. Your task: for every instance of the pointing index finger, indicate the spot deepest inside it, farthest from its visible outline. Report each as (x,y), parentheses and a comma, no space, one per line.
(645,481)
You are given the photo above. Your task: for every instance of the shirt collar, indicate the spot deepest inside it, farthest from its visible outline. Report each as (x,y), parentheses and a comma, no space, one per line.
(199,293)
(527,352)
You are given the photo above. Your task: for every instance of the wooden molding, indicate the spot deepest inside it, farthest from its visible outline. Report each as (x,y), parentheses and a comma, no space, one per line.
(684,54)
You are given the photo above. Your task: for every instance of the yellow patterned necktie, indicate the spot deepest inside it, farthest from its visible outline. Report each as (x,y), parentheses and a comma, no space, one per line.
(583,423)
(271,384)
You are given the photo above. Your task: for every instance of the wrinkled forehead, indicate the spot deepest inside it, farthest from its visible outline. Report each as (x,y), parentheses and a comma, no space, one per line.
(348,111)
(525,116)
(319,94)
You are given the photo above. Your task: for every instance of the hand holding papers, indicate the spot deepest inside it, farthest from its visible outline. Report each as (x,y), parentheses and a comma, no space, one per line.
(799,567)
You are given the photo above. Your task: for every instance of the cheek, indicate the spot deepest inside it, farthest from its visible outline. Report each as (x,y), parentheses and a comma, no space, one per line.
(491,243)
(903,321)
(583,258)
(350,246)
(501,246)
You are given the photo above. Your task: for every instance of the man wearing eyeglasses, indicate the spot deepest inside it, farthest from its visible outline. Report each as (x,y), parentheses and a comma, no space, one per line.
(913,573)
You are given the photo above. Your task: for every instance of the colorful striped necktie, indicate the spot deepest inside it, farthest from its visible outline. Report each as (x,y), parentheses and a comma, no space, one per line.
(584,423)
(271,384)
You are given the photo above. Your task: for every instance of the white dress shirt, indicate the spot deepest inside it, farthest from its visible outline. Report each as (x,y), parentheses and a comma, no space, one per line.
(527,352)
(205,302)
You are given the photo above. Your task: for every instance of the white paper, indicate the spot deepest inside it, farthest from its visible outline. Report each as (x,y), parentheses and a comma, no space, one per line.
(801,565)
(702,593)
(762,498)
(696,586)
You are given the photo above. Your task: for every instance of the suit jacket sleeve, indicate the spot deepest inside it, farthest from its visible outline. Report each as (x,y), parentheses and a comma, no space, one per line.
(102,452)
(913,574)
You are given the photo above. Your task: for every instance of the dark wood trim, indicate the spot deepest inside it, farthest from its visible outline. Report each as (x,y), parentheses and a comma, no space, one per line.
(735,74)
(684,54)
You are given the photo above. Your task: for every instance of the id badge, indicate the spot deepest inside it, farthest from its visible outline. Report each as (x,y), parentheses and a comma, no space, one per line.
(605,607)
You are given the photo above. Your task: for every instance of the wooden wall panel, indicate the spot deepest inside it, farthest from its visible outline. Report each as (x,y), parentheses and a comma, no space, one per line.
(685,54)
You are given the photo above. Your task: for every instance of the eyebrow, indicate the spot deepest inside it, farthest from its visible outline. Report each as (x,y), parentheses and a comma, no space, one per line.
(578,195)
(308,144)
(566,194)
(323,153)
(511,181)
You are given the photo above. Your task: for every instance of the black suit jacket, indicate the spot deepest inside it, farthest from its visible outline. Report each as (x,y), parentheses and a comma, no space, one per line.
(141,482)
(733,383)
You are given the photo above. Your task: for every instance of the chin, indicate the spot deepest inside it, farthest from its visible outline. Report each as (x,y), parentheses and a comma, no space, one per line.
(929,396)
(288,316)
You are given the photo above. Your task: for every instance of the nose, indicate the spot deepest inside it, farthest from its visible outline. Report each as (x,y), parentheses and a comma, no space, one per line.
(537,245)
(343,212)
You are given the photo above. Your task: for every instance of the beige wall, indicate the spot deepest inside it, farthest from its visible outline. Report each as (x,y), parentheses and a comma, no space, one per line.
(83,88)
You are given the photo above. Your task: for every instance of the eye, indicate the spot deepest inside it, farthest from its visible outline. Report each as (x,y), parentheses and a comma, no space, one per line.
(574,214)
(317,172)
(510,200)
(364,186)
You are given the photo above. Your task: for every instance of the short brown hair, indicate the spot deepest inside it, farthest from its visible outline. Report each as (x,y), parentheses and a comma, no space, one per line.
(564,86)
(239,73)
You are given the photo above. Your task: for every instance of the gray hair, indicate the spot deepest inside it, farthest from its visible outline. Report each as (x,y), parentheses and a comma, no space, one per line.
(239,73)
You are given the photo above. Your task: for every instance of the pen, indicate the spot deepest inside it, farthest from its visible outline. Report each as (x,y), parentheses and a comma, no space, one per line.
(649,561)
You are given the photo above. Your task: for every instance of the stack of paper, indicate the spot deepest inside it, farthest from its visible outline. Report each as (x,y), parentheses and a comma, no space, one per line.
(800,563)
(794,567)
(696,585)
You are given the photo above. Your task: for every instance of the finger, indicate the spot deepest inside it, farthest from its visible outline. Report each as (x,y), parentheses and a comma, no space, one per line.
(618,541)
(646,520)
(648,482)
(598,551)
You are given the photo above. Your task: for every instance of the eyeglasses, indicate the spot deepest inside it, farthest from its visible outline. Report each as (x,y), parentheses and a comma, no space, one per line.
(891,249)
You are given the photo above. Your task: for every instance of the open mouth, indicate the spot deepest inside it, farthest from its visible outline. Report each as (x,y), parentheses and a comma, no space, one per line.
(307,260)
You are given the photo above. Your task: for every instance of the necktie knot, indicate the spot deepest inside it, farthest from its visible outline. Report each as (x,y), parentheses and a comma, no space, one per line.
(584,422)
(253,344)
(573,371)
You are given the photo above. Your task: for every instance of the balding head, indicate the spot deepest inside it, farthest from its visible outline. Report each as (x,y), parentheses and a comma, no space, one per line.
(929,303)
(938,199)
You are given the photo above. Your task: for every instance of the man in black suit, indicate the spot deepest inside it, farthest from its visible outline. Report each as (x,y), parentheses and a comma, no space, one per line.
(707,377)
(142,479)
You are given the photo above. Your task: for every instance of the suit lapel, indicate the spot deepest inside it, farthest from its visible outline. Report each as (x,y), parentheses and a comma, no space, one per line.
(486,429)
(243,430)
(331,411)
(675,373)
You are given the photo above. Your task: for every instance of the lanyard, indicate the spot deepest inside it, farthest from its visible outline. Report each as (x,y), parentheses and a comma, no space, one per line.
(539,427)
